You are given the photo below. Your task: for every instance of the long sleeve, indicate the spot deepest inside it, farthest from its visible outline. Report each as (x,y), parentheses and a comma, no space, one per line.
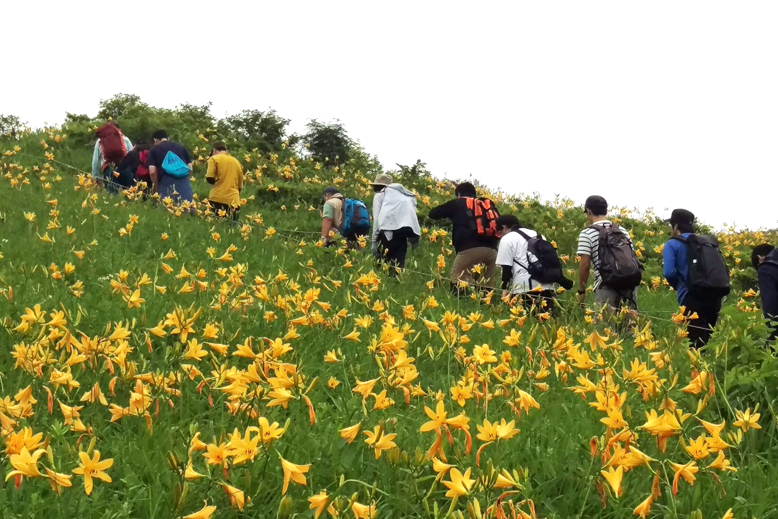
(507,276)
(443,211)
(768,289)
(96,161)
(377,203)
(669,269)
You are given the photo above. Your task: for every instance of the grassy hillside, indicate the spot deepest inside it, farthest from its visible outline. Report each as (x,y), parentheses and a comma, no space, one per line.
(206,359)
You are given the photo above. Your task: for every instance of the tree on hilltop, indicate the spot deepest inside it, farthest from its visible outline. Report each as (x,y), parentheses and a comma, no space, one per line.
(328,143)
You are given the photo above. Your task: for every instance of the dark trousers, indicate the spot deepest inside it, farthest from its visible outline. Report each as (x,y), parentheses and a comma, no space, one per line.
(233,212)
(707,311)
(393,251)
(110,181)
(772,328)
(534,301)
(354,234)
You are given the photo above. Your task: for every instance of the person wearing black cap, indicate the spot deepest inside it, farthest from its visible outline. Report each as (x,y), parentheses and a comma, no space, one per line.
(676,271)
(764,258)
(332,213)
(621,259)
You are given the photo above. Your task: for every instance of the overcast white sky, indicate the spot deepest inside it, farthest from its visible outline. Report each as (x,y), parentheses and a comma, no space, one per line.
(650,104)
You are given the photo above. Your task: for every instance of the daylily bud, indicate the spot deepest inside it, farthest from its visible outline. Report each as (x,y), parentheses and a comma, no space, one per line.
(285,508)
(91,445)
(177,496)
(173,461)
(184,492)
(419,457)
(490,469)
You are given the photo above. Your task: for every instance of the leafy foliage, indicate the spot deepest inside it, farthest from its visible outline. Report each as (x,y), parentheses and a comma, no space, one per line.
(265,131)
(10,127)
(328,143)
(271,313)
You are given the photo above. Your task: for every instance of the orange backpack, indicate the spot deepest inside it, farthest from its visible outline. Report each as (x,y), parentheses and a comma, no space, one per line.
(485,215)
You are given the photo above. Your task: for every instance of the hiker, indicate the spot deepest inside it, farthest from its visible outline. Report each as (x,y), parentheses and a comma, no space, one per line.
(110,149)
(394,221)
(694,267)
(169,168)
(225,174)
(474,235)
(764,258)
(133,168)
(530,266)
(608,248)
(347,216)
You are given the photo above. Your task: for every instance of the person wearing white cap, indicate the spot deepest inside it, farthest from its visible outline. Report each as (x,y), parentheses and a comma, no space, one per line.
(394,221)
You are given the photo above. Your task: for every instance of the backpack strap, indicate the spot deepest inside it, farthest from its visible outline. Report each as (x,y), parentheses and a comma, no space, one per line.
(525,267)
(523,234)
(682,239)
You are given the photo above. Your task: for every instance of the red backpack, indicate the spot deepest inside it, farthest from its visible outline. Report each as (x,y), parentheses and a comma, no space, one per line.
(142,172)
(111,143)
(485,215)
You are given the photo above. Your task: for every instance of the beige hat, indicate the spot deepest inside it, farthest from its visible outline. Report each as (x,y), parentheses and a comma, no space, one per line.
(382,180)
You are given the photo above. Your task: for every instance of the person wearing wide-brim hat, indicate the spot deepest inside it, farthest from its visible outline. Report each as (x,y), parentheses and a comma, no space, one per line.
(381,181)
(394,221)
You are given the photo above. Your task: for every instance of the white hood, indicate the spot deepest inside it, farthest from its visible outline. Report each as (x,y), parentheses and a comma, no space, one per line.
(395,208)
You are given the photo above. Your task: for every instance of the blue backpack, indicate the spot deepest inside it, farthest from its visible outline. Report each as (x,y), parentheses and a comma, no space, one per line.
(355,215)
(174,166)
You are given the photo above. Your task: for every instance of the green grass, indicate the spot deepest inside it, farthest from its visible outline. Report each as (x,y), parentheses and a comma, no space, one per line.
(552,449)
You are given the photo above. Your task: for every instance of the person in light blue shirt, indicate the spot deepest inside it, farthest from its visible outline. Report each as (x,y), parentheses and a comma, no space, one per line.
(102,171)
(676,272)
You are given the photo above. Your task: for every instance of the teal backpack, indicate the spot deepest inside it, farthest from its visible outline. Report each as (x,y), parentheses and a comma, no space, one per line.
(355,215)
(174,166)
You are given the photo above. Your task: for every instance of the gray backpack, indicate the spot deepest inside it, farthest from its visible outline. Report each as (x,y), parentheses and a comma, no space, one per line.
(619,266)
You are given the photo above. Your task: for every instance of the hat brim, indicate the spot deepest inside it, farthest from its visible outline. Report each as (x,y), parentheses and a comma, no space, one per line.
(378,184)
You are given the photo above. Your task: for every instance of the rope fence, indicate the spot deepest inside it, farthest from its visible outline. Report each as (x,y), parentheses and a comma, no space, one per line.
(289,234)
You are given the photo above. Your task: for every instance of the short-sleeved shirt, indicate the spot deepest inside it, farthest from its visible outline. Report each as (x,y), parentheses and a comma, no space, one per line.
(228,173)
(512,252)
(589,245)
(157,155)
(333,209)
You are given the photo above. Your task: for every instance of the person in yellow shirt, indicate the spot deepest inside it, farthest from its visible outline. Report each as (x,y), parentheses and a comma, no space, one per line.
(226,175)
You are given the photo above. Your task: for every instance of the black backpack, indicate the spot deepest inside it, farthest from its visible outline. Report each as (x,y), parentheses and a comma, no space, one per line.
(708,273)
(619,266)
(772,258)
(546,267)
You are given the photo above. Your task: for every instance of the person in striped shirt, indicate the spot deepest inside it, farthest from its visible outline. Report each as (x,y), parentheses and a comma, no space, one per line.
(596,209)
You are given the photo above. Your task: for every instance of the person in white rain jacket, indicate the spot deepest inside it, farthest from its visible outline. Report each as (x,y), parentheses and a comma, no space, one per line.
(394,221)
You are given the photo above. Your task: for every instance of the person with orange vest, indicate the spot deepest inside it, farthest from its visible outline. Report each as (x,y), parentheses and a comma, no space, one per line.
(474,236)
